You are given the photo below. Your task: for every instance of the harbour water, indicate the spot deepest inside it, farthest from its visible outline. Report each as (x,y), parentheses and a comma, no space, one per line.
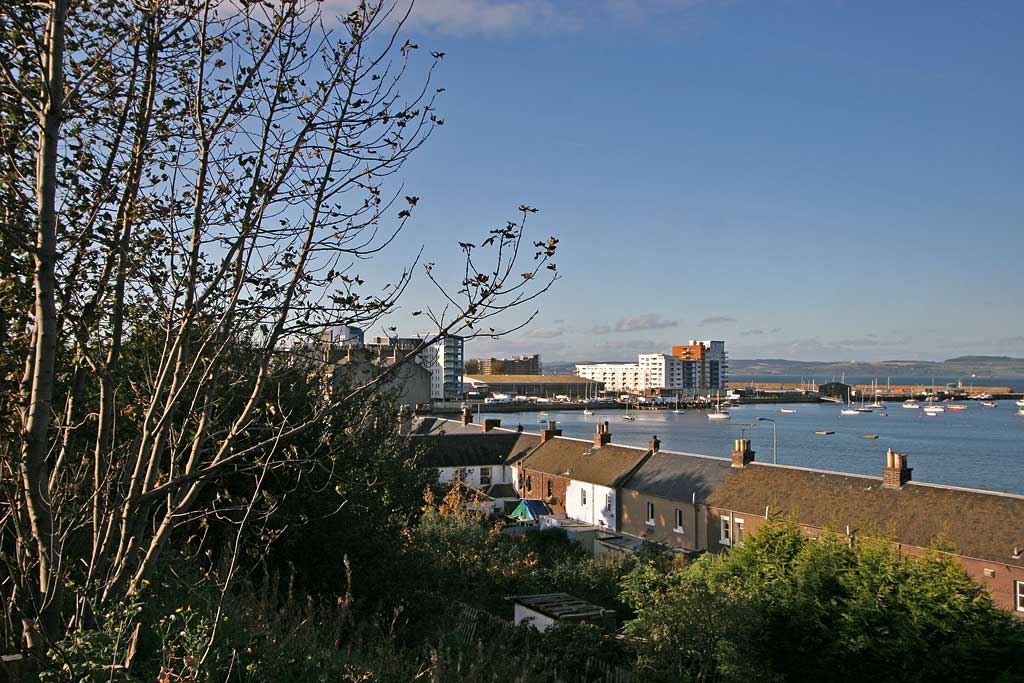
(979,447)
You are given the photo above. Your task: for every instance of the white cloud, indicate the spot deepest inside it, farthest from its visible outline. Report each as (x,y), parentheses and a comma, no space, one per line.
(717,320)
(649,321)
(461,17)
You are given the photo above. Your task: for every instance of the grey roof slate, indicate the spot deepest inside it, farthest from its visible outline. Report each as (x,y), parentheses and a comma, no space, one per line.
(678,476)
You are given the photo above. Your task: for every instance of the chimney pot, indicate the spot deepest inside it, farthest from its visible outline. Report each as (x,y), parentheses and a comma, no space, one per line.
(519,428)
(602,437)
(742,454)
(654,444)
(896,473)
(467,416)
(490,423)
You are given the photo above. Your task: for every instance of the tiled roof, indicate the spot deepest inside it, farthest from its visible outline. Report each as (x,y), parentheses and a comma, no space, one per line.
(679,476)
(580,460)
(980,524)
(473,450)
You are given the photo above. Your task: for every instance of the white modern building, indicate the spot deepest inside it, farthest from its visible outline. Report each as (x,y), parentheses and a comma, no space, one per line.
(701,366)
(615,376)
(446,361)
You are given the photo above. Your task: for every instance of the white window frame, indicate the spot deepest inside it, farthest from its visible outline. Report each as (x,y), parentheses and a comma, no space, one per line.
(739,530)
(608,501)
(650,513)
(679,522)
(485,476)
(725,537)
(1019,595)
(583,497)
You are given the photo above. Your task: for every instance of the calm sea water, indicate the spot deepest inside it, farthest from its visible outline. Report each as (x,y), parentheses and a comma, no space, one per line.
(977,448)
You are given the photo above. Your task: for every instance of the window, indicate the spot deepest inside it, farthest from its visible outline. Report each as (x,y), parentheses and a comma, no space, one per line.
(650,514)
(583,496)
(551,489)
(739,531)
(529,484)
(726,538)
(679,521)
(485,476)
(460,474)
(607,501)
(1019,586)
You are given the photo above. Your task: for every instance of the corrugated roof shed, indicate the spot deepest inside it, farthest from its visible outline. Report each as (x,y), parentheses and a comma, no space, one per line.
(580,460)
(982,524)
(678,476)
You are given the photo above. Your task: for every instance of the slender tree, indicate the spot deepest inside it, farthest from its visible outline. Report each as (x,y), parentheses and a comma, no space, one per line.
(206,178)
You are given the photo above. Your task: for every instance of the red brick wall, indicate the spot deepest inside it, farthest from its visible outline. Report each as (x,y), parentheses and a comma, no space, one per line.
(539,481)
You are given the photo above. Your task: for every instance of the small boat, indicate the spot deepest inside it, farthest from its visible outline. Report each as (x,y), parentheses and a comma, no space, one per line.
(629,417)
(883,415)
(588,411)
(956,407)
(849,411)
(787,410)
(933,409)
(988,404)
(543,422)
(678,412)
(719,414)
(910,403)
(1020,412)
(864,409)
(824,432)
(871,436)
(1021,403)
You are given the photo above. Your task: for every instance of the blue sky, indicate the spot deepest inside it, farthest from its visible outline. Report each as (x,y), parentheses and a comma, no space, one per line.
(806,179)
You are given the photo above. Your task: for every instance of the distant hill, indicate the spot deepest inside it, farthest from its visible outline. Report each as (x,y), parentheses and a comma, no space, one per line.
(960,367)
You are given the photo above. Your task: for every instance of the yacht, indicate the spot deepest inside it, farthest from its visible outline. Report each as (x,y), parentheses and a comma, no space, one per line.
(719,414)
(849,411)
(787,410)
(911,403)
(588,411)
(1021,403)
(989,404)
(933,409)
(956,407)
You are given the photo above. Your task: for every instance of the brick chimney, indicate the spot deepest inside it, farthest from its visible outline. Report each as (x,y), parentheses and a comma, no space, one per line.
(742,455)
(549,433)
(602,437)
(895,473)
(467,416)
(519,428)
(654,444)
(490,423)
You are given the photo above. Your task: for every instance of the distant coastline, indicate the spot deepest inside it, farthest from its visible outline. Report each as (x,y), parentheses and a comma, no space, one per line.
(978,370)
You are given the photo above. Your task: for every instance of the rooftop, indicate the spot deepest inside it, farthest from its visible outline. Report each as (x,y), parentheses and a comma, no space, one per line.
(559,606)
(473,450)
(681,476)
(582,461)
(981,524)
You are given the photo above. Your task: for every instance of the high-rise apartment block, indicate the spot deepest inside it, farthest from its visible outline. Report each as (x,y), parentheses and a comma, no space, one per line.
(700,366)
(516,365)
(444,359)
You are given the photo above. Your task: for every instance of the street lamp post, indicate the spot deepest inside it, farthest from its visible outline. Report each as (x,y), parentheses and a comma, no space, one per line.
(775,439)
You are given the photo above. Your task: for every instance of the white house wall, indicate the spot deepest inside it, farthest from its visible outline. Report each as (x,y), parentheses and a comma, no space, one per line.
(599,509)
(500,474)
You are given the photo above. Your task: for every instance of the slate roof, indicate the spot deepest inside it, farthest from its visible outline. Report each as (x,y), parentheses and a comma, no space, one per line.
(679,475)
(982,524)
(473,449)
(423,426)
(560,606)
(575,459)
